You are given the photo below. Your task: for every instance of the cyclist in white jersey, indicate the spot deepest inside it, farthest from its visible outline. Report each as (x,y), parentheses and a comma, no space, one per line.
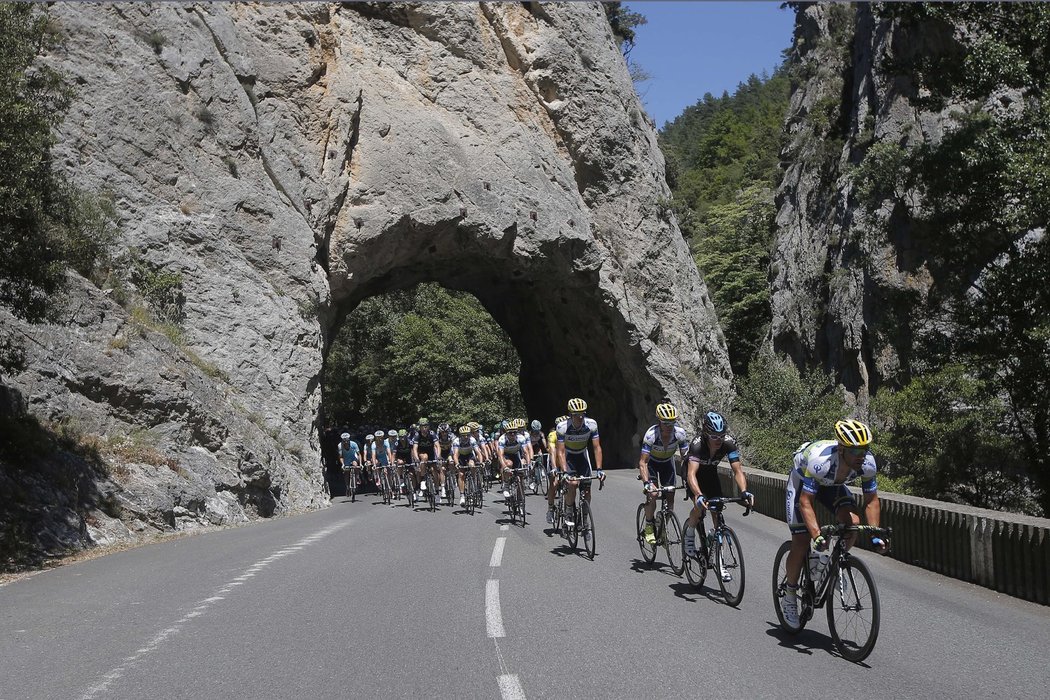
(656,461)
(820,473)
(514,452)
(467,452)
(574,435)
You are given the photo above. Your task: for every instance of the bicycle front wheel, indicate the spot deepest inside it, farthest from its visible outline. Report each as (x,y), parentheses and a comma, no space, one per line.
(520,500)
(729,565)
(648,550)
(672,535)
(572,531)
(780,585)
(853,610)
(586,525)
(695,566)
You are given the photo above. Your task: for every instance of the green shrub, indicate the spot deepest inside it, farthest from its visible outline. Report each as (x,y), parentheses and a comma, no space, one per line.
(779,408)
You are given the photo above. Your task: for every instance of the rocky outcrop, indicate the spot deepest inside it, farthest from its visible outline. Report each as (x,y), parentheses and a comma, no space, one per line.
(847,274)
(287,161)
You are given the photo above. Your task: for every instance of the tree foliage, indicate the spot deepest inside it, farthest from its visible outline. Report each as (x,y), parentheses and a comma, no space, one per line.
(426,351)
(46,224)
(724,167)
(780,408)
(984,193)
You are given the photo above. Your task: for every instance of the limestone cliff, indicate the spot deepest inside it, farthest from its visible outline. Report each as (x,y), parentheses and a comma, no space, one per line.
(847,274)
(288,161)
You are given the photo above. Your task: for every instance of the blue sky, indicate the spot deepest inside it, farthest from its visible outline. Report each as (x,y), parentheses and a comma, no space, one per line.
(692,47)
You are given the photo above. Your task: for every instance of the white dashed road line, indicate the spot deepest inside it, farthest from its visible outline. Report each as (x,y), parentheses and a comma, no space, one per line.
(497,552)
(493,616)
(510,687)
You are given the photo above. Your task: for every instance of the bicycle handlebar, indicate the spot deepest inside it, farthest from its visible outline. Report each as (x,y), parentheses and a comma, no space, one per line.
(718,502)
(839,529)
(567,477)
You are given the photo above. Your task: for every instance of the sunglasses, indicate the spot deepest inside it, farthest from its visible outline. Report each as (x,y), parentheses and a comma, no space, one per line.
(856,451)
(719,438)
(576,415)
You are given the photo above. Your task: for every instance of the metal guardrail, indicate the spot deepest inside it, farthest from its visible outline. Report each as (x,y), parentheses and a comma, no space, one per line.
(1002,551)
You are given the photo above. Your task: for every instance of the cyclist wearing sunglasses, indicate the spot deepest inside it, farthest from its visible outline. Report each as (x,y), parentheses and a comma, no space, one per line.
(656,461)
(821,471)
(705,453)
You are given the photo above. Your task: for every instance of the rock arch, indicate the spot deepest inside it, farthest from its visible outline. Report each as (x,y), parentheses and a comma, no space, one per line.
(290,160)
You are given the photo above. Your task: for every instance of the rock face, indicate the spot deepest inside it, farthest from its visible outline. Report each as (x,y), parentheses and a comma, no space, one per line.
(287,161)
(847,275)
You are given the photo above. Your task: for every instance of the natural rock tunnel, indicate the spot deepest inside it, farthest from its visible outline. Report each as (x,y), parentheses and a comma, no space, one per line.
(287,161)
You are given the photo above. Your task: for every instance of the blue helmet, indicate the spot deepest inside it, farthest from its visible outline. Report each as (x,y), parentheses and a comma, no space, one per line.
(714,423)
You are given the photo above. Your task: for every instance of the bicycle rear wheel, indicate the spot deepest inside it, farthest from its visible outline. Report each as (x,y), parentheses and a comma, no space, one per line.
(853,610)
(648,550)
(695,566)
(672,536)
(729,563)
(586,525)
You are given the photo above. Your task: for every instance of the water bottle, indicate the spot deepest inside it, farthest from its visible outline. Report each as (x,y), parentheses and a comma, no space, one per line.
(818,562)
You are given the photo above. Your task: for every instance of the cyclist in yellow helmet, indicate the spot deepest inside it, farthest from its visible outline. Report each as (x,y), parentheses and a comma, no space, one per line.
(574,435)
(656,461)
(820,473)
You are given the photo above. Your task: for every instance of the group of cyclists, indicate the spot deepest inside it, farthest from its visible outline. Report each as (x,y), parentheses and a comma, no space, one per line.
(820,471)
(510,447)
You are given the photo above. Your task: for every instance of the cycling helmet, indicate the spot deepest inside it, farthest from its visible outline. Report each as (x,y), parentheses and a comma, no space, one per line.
(536,426)
(577,405)
(714,423)
(852,433)
(369,436)
(464,430)
(666,412)
(402,433)
(391,433)
(424,422)
(443,428)
(474,425)
(344,436)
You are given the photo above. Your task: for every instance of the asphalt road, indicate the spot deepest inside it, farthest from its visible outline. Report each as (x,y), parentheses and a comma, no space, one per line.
(367,600)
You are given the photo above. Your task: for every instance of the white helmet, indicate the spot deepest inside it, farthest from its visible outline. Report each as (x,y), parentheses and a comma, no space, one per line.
(344,436)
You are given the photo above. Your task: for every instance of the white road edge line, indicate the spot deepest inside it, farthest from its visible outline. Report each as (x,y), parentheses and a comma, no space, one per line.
(510,687)
(493,617)
(504,527)
(497,552)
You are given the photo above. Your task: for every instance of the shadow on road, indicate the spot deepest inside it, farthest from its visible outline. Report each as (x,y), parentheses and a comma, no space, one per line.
(806,641)
(687,591)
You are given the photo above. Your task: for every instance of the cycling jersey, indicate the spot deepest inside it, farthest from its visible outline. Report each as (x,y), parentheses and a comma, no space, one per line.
(654,446)
(513,446)
(379,451)
(424,440)
(700,453)
(403,449)
(349,452)
(576,439)
(445,442)
(815,471)
(707,474)
(536,438)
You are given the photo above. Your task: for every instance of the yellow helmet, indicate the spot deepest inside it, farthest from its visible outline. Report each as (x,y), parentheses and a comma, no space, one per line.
(464,430)
(473,425)
(666,412)
(852,433)
(577,405)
